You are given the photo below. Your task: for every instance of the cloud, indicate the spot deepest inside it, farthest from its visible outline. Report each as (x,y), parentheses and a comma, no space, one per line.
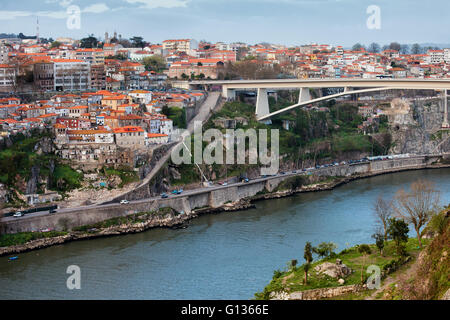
(96,8)
(11,15)
(152,4)
(61,14)
(62,3)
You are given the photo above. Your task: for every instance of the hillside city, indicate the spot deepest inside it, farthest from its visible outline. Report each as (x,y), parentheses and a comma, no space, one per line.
(112,92)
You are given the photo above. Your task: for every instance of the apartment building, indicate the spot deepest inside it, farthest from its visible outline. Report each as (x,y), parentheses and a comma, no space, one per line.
(93,56)
(43,74)
(184,45)
(7,78)
(71,75)
(130,137)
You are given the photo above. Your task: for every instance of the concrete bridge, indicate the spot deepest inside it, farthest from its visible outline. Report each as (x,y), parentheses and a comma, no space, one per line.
(212,197)
(350,86)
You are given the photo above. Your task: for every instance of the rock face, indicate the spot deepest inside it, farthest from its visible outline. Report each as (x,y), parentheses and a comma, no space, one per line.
(32,183)
(334,270)
(45,145)
(415,128)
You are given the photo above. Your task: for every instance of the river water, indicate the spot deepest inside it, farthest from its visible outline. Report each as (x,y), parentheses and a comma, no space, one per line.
(225,256)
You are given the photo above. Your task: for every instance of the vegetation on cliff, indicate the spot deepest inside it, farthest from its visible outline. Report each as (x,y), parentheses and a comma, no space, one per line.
(312,136)
(28,165)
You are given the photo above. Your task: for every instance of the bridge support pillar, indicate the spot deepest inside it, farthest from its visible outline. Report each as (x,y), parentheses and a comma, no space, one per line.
(304,95)
(228,94)
(262,105)
(445,123)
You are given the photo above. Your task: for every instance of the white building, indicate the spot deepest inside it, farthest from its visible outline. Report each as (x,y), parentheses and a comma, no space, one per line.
(184,45)
(7,77)
(435,56)
(71,75)
(141,96)
(166,127)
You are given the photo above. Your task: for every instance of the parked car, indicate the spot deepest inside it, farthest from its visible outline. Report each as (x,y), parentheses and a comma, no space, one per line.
(124,202)
(225,183)
(164,195)
(18,214)
(180,191)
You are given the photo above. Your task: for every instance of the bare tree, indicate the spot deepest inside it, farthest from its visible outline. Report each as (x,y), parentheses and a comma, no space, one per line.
(418,205)
(383,212)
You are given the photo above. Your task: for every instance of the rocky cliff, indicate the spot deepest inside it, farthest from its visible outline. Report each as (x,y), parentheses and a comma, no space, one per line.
(416,127)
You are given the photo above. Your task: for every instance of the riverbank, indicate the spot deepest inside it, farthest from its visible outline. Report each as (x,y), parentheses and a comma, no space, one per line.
(174,220)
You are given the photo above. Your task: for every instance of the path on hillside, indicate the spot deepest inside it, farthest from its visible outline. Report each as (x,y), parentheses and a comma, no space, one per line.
(203,115)
(406,274)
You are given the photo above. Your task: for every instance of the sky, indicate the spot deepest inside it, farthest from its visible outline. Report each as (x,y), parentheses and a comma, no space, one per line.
(286,22)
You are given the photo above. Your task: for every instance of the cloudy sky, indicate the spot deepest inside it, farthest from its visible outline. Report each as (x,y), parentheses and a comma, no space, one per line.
(289,22)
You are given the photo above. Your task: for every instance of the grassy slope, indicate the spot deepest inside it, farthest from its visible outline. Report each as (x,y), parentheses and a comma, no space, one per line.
(292,280)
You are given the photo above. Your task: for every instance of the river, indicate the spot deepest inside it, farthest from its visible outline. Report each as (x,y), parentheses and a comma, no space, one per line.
(224,256)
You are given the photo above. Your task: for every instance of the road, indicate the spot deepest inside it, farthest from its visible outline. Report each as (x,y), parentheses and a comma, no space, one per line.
(189,192)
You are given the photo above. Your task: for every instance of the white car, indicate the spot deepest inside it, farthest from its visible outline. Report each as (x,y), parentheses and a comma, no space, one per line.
(18,214)
(124,202)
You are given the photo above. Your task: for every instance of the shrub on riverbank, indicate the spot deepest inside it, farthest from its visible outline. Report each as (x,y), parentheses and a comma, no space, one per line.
(127,220)
(7,240)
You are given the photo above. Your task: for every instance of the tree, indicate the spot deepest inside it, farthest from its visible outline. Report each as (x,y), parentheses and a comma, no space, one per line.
(395,46)
(374,47)
(383,212)
(325,249)
(307,255)
(137,42)
(398,231)
(416,49)
(306,267)
(154,63)
(364,249)
(89,42)
(379,241)
(55,44)
(404,49)
(357,47)
(293,264)
(418,205)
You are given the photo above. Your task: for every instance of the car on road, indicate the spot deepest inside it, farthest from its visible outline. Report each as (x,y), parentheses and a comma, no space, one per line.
(180,191)
(225,183)
(164,196)
(294,171)
(18,214)
(245,180)
(124,202)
